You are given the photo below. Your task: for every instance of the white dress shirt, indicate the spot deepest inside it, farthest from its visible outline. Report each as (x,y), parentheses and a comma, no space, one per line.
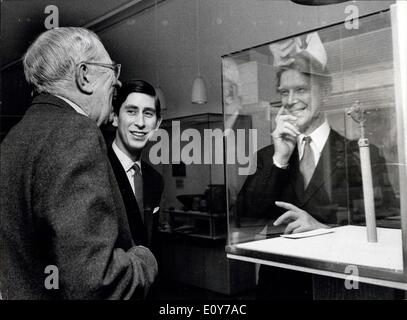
(127,164)
(318,139)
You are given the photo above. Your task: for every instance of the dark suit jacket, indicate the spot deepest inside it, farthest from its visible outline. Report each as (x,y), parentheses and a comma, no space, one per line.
(61,205)
(336,184)
(142,233)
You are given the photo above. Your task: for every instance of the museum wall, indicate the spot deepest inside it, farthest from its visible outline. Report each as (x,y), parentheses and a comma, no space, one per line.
(225,26)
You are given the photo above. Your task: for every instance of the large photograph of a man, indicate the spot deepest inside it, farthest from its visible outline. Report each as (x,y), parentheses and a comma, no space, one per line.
(310,174)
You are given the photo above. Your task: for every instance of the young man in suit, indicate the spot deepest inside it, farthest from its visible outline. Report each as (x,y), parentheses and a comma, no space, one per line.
(307,175)
(64,233)
(137,115)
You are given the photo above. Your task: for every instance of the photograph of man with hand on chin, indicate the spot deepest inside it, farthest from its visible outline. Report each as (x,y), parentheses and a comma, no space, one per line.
(301,179)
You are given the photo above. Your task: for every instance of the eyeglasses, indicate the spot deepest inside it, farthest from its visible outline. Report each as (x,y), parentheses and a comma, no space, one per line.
(116,67)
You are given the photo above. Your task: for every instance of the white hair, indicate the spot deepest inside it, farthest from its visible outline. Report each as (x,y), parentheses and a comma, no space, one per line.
(49,63)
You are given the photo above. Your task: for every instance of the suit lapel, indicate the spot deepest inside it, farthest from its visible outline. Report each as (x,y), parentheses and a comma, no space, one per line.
(319,177)
(121,176)
(150,194)
(133,212)
(296,179)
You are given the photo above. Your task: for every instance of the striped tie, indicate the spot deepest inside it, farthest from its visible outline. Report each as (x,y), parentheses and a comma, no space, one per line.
(307,163)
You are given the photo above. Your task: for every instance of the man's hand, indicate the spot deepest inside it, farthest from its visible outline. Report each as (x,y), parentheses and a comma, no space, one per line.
(297,220)
(284,136)
(146,267)
(283,52)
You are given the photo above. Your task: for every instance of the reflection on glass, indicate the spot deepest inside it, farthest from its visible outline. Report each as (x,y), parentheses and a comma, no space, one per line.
(301,87)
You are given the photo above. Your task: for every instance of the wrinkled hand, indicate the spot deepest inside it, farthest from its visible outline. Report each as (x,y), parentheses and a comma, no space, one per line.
(284,136)
(148,267)
(297,220)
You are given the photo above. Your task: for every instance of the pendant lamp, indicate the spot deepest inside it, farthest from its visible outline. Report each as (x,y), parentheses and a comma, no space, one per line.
(198,88)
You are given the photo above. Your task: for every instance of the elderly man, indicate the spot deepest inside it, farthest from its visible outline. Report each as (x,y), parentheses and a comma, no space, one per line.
(309,175)
(64,233)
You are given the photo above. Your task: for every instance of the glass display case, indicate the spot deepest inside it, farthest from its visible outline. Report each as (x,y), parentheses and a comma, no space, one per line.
(345,88)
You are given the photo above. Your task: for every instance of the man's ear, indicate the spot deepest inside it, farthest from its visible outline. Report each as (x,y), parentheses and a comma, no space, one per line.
(83,79)
(115,122)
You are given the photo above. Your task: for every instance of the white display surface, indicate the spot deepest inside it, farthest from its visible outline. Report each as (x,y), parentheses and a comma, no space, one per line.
(346,245)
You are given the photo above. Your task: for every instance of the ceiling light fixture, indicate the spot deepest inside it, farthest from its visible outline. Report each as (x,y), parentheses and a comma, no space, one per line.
(198,88)
(317,2)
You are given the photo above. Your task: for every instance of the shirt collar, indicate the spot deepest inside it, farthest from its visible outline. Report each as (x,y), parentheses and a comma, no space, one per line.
(73,105)
(319,136)
(124,159)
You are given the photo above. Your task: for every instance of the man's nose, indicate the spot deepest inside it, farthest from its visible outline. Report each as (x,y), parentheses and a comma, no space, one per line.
(139,120)
(291,97)
(118,83)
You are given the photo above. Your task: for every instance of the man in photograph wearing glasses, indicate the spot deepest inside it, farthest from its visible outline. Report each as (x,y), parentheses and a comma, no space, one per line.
(61,207)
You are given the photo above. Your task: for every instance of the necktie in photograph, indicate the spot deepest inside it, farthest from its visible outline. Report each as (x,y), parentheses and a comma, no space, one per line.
(138,189)
(307,163)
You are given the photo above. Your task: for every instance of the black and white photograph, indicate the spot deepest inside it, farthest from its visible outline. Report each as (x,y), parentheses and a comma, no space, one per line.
(203,157)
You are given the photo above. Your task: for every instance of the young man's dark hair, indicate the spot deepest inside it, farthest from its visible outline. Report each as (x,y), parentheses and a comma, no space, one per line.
(136,86)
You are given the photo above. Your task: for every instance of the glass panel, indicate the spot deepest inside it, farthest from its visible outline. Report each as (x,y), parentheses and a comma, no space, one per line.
(335,85)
